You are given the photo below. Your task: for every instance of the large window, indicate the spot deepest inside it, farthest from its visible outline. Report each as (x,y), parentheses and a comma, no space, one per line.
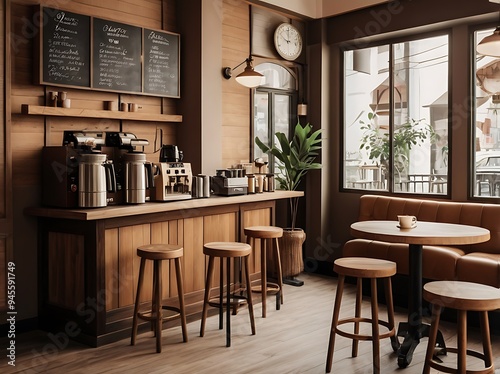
(486,133)
(274,106)
(396,117)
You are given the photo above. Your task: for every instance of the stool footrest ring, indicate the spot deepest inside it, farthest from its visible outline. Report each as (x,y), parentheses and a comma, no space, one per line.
(447,369)
(150,315)
(354,336)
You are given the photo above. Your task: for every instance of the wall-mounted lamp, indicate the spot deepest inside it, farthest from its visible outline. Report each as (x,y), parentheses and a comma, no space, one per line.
(248,78)
(302,109)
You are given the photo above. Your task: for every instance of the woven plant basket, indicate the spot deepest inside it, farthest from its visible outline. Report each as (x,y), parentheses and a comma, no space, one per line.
(290,244)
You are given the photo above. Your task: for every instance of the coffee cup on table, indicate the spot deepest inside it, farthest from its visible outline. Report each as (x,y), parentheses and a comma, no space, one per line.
(407,222)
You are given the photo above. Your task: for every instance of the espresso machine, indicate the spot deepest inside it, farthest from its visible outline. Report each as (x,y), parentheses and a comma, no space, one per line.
(229,182)
(172,177)
(77,174)
(134,174)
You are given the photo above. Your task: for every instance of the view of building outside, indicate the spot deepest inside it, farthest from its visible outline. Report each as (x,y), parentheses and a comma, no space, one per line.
(487,119)
(396,117)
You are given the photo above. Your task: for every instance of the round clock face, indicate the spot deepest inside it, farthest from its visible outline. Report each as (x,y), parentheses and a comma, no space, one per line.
(288,41)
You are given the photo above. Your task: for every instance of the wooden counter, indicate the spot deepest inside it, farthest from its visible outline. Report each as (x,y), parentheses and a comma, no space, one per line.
(88,266)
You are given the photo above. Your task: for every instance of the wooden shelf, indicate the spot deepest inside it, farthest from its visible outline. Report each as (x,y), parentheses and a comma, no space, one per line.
(93,113)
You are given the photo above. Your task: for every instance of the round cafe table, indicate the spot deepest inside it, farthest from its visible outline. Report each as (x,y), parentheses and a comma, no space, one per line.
(424,233)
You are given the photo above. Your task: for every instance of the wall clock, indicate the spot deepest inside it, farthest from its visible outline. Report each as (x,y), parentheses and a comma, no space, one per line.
(288,41)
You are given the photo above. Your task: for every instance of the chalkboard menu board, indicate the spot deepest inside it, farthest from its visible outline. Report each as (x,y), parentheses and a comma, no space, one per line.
(117,52)
(66,52)
(161,62)
(94,53)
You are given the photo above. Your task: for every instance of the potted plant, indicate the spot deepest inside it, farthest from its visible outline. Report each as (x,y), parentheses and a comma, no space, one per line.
(294,158)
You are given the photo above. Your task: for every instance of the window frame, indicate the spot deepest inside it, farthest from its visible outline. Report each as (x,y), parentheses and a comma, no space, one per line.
(379,41)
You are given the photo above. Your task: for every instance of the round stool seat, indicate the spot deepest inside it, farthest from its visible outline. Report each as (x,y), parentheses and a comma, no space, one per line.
(361,267)
(264,232)
(160,251)
(463,295)
(227,249)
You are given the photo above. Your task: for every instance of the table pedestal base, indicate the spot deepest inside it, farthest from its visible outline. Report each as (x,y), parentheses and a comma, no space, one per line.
(412,336)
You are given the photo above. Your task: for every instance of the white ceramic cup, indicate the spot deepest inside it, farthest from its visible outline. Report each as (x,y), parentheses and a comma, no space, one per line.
(407,222)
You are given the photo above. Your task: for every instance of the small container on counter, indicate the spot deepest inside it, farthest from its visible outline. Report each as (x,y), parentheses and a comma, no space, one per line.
(251,183)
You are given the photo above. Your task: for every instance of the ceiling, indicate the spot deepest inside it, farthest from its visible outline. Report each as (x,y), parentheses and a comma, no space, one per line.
(318,8)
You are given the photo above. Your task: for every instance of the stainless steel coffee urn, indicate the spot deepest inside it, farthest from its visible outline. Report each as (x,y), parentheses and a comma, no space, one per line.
(138,177)
(96,177)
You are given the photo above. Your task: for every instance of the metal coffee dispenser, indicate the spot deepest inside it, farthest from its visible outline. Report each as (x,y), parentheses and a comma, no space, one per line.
(77,174)
(134,174)
(95,178)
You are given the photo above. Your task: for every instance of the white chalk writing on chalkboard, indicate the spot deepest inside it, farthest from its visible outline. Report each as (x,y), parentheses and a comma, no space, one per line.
(66,48)
(161,51)
(117,56)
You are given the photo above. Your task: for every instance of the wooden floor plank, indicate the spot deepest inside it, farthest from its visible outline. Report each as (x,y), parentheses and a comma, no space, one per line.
(292,340)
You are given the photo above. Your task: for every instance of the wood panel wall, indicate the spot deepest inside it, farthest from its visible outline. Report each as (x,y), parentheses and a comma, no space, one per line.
(28,134)
(236,99)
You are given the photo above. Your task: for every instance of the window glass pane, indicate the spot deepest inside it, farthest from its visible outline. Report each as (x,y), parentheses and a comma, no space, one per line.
(276,76)
(261,121)
(420,138)
(486,181)
(366,71)
(396,127)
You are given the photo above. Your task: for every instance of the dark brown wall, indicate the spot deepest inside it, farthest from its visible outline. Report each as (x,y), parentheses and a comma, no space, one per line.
(340,208)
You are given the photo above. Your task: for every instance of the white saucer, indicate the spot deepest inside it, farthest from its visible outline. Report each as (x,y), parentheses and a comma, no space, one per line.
(404,228)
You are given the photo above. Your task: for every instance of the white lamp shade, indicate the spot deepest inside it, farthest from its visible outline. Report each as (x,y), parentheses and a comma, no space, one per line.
(490,45)
(249,78)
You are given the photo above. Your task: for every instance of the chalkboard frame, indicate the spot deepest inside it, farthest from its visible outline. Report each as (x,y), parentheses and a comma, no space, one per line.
(142,91)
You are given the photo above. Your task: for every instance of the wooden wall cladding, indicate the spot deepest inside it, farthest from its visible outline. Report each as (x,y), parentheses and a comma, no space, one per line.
(236,99)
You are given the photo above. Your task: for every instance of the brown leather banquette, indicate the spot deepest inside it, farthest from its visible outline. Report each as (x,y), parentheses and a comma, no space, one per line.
(478,263)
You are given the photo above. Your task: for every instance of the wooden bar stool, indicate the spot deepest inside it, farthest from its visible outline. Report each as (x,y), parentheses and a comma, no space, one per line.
(268,236)
(360,267)
(464,297)
(157,253)
(227,250)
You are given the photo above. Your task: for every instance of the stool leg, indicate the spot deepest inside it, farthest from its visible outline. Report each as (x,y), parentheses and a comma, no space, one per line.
(335,319)
(208,285)
(228,302)
(221,293)
(279,273)
(436,314)
(357,314)
(137,300)
(180,291)
(263,275)
(158,308)
(390,313)
(485,333)
(249,294)
(375,328)
(462,341)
